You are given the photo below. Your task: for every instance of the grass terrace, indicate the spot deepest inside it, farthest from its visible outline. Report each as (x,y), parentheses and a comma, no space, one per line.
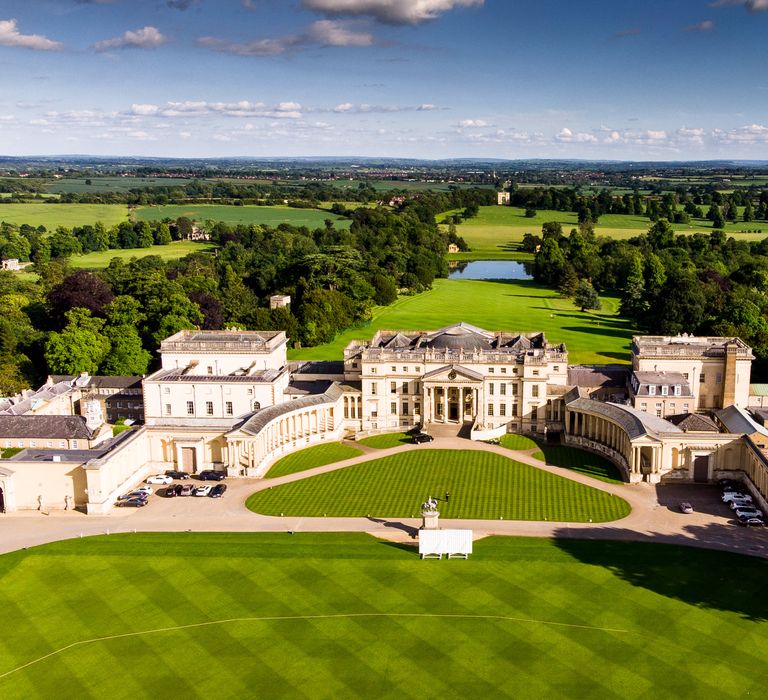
(345,616)
(483,485)
(387,440)
(516,305)
(312,457)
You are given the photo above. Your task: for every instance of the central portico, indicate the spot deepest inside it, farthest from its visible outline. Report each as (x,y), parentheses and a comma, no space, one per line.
(452,394)
(456,374)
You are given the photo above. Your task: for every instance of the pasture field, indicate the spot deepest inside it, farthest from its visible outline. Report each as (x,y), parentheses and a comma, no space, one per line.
(483,485)
(173,251)
(312,457)
(519,305)
(112,184)
(230,615)
(496,232)
(69,215)
(269,216)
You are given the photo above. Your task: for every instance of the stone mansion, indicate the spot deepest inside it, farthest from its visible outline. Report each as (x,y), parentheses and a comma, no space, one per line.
(231,400)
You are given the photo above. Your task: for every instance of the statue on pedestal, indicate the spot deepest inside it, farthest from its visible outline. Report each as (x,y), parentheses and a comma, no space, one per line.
(430,515)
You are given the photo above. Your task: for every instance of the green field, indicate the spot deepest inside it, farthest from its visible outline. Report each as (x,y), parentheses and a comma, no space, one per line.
(172,251)
(230,615)
(517,305)
(69,215)
(483,485)
(387,440)
(312,457)
(112,184)
(269,216)
(496,232)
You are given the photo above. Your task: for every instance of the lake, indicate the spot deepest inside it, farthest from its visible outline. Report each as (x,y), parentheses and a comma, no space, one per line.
(490,270)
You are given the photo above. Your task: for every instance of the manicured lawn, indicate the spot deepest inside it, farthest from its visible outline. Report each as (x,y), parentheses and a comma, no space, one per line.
(387,440)
(312,457)
(345,616)
(270,216)
(53,215)
(520,305)
(482,485)
(513,441)
(172,251)
(583,462)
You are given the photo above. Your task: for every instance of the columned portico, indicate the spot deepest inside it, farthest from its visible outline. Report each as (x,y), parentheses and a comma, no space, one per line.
(451,395)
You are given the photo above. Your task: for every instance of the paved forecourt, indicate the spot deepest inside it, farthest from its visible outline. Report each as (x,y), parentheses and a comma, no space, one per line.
(648,520)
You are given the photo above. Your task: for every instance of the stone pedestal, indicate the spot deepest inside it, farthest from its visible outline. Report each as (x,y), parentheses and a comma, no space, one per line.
(430,520)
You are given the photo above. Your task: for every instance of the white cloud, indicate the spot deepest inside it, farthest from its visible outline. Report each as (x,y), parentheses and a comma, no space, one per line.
(196,108)
(751,5)
(10,36)
(691,136)
(324,33)
(706,26)
(389,11)
(565,135)
(328,32)
(473,124)
(145,38)
(753,133)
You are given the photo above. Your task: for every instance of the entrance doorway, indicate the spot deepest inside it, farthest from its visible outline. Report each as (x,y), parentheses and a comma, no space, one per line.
(189,460)
(2,501)
(701,469)
(453,410)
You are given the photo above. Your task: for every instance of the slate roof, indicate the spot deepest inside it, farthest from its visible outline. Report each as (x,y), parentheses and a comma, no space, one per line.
(635,423)
(259,420)
(694,422)
(44,427)
(598,375)
(100,381)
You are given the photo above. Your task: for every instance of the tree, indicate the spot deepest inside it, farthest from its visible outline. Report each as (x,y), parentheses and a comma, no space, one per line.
(586,297)
(80,347)
(748,212)
(64,244)
(661,235)
(184,228)
(530,212)
(163,235)
(80,289)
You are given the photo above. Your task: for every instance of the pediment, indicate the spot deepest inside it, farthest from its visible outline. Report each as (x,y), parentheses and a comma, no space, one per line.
(453,373)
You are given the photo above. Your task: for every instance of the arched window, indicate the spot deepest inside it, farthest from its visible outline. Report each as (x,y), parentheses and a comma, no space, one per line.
(256,405)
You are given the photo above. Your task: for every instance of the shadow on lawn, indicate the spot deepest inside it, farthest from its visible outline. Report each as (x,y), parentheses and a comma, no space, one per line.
(706,578)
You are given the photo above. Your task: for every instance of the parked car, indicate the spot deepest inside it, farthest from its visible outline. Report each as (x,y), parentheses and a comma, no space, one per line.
(203,490)
(751,522)
(187,490)
(133,494)
(686,507)
(725,483)
(159,479)
(733,488)
(132,503)
(173,490)
(177,475)
(734,496)
(737,503)
(418,438)
(147,490)
(218,491)
(749,513)
(211,475)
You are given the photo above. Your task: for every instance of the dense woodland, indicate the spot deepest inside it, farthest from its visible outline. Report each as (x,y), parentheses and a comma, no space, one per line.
(113,321)
(701,284)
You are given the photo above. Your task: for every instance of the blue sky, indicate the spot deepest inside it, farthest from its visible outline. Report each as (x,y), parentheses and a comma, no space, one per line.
(623,79)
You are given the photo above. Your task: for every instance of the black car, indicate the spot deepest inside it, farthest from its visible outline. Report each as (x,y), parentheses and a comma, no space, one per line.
(173,490)
(132,503)
(418,438)
(211,475)
(177,475)
(218,491)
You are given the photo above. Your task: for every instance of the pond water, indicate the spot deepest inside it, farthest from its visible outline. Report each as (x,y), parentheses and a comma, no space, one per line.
(490,270)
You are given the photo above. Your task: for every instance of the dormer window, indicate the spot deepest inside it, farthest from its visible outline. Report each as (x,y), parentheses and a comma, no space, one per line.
(652,390)
(678,390)
(665,390)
